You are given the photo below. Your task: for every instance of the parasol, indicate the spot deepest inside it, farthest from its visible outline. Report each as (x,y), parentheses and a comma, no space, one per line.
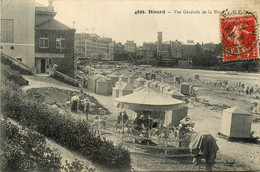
(148,99)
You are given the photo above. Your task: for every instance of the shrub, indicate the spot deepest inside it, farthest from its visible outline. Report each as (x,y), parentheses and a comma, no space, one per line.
(21,70)
(62,128)
(67,81)
(24,150)
(12,75)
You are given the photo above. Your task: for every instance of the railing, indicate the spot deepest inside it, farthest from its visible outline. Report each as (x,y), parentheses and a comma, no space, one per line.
(164,145)
(64,78)
(17,63)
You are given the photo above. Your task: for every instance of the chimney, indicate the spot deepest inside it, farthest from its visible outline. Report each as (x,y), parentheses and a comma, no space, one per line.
(159,43)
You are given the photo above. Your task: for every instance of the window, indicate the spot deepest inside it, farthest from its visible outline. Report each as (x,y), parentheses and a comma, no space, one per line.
(20,59)
(7,30)
(44,41)
(60,42)
(12,48)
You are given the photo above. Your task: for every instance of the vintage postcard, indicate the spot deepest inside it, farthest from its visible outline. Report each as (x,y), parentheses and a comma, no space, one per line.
(130,85)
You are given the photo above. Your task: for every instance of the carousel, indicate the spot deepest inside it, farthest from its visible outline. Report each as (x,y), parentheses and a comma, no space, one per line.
(151,135)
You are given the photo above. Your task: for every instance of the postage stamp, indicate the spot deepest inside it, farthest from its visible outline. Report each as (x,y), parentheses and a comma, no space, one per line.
(238,36)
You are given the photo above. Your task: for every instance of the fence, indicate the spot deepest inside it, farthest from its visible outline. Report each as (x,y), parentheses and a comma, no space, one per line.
(163,145)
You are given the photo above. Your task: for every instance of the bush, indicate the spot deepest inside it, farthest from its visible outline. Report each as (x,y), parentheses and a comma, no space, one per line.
(21,70)
(24,150)
(62,79)
(12,75)
(62,128)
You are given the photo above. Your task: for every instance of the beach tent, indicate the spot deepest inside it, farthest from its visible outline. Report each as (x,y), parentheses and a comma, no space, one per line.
(124,77)
(149,99)
(114,78)
(132,78)
(160,85)
(165,85)
(186,88)
(236,122)
(125,89)
(139,82)
(177,79)
(176,94)
(101,87)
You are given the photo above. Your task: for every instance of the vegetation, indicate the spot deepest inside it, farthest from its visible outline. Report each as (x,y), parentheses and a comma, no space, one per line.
(24,150)
(60,127)
(14,66)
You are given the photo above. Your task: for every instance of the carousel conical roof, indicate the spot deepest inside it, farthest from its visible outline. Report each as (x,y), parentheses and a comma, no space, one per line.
(149,99)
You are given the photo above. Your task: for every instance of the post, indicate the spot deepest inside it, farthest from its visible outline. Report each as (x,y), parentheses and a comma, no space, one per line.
(166,147)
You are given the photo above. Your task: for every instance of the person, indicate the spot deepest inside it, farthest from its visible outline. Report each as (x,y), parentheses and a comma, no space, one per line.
(55,66)
(251,90)
(138,122)
(74,102)
(86,107)
(81,100)
(96,126)
(125,117)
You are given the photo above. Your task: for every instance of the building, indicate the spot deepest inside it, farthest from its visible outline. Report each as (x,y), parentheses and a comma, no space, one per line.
(33,36)
(189,50)
(90,45)
(54,42)
(208,47)
(176,49)
(130,47)
(159,43)
(17,30)
(147,52)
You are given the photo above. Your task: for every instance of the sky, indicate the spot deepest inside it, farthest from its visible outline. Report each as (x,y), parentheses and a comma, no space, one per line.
(117,19)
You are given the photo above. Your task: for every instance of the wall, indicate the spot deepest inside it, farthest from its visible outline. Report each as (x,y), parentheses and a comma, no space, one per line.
(66,64)
(23,14)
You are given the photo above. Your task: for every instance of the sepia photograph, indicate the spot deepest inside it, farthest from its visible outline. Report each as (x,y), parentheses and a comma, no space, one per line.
(129,85)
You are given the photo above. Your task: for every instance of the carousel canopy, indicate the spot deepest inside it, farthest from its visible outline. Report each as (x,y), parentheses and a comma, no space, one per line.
(149,99)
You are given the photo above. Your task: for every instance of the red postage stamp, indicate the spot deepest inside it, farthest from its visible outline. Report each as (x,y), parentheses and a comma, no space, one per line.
(239,37)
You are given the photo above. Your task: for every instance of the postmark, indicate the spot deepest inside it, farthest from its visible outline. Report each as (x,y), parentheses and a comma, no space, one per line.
(238,36)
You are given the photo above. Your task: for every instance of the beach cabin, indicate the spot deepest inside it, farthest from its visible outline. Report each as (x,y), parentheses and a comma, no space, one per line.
(236,122)
(114,78)
(177,79)
(124,77)
(186,88)
(101,87)
(139,82)
(125,89)
(117,88)
(176,94)
(197,77)
(163,86)
(132,78)
(92,81)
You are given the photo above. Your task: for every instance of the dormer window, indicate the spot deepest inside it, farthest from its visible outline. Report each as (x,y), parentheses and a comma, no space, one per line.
(44,41)
(60,42)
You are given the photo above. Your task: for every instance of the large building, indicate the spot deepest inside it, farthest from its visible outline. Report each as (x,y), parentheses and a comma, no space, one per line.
(189,50)
(92,46)
(130,47)
(17,30)
(30,34)
(147,52)
(54,42)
